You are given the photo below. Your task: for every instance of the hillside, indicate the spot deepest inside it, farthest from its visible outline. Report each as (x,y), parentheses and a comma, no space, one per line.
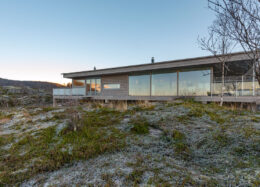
(31,84)
(181,143)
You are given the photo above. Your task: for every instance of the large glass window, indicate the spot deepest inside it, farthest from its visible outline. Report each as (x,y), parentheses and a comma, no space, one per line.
(194,83)
(139,85)
(164,84)
(78,83)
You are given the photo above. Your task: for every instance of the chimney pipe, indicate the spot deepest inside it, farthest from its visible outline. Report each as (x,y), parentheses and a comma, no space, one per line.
(152,60)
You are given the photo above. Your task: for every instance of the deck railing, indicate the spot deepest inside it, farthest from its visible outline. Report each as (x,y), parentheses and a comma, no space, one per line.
(233,86)
(69,91)
(236,86)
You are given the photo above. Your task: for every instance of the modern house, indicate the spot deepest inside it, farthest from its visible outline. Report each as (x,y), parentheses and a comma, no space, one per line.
(194,77)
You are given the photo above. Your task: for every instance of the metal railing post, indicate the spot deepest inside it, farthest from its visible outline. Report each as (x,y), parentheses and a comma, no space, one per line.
(150,84)
(178,83)
(211,81)
(242,86)
(211,89)
(236,88)
(253,79)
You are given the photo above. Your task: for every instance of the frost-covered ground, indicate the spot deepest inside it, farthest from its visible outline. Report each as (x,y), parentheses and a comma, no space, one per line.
(181,144)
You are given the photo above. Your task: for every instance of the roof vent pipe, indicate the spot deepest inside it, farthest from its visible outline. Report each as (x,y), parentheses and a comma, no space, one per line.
(152,60)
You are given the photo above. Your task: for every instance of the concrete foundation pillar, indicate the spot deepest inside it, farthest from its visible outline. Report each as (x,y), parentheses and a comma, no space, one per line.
(118,105)
(121,105)
(253,107)
(54,102)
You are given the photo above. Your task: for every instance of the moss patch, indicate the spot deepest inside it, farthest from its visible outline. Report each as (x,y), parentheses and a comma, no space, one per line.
(48,151)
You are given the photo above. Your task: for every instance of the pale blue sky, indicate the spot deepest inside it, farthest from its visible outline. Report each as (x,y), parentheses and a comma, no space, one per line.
(40,39)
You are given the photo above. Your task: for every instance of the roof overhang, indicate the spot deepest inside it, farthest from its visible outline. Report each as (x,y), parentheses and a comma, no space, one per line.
(157,66)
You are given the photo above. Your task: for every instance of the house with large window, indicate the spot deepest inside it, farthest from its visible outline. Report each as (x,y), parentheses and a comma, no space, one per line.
(199,78)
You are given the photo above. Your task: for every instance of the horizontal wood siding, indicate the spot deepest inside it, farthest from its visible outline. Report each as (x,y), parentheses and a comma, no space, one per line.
(115,79)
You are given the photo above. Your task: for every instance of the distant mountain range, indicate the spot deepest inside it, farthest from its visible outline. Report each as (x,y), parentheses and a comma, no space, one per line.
(31,84)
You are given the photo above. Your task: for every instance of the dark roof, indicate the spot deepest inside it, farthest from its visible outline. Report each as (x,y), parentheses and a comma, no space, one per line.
(156,66)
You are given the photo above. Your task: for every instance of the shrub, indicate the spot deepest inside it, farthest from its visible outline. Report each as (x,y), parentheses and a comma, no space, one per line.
(196,112)
(215,117)
(240,150)
(181,147)
(250,131)
(11,102)
(136,176)
(1,115)
(140,125)
(183,118)
(201,143)
(139,108)
(47,109)
(178,136)
(58,116)
(4,116)
(48,99)
(2,140)
(5,139)
(221,138)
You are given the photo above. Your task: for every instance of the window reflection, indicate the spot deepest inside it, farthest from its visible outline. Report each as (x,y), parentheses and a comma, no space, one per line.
(164,84)
(139,85)
(88,84)
(112,86)
(194,83)
(98,85)
(93,86)
(78,83)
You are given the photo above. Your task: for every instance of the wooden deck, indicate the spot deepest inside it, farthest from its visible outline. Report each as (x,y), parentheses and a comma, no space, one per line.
(241,99)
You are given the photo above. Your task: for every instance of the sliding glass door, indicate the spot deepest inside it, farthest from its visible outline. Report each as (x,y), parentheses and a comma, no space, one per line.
(93,86)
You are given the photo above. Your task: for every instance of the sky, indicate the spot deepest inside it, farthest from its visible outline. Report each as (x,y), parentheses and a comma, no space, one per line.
(40,39)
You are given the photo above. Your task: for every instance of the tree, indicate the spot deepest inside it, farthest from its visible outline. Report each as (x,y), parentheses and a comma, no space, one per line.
(69,85)
(243,26)
(219,45)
